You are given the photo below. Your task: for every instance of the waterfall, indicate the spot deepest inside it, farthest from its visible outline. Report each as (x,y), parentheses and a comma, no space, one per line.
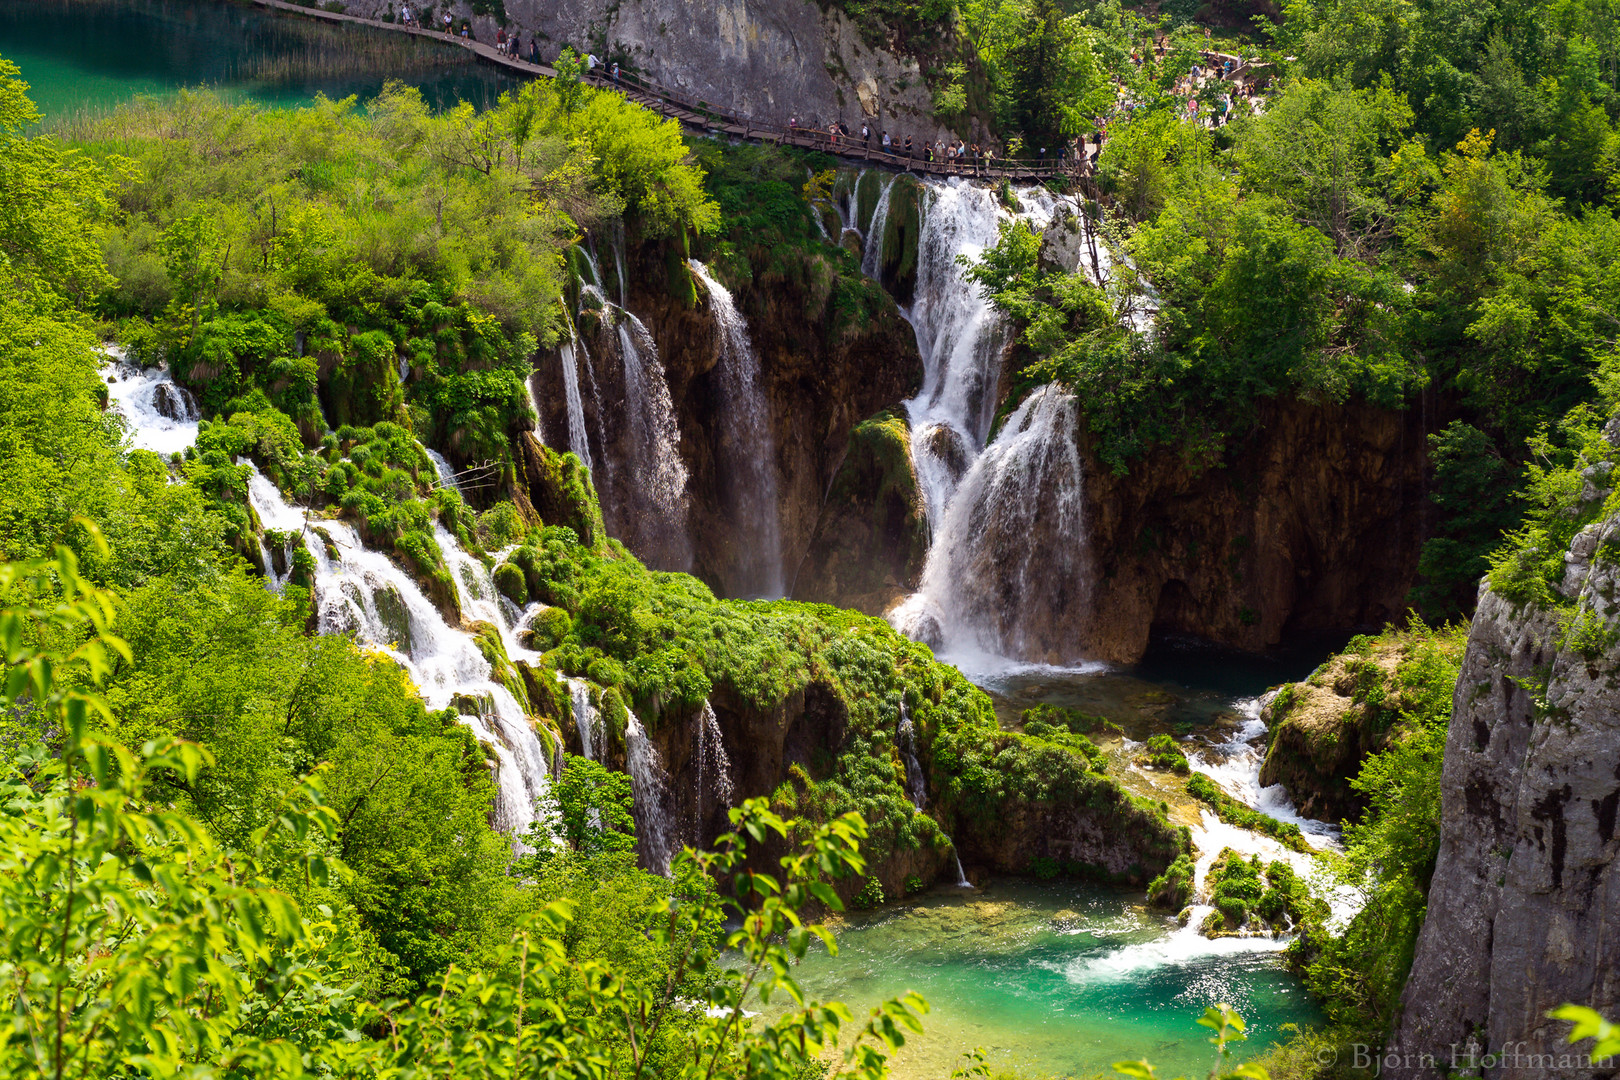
(872,250)
(916,785)
(715,785)
(441,468)
(960,337)
(748,446)
(578,441)
(587,720)
(1006,574)
(649,784)
(660,473)
(362,592)
(161,416)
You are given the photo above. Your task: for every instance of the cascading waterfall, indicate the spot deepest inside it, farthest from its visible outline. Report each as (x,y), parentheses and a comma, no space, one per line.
(161,416)
(660,473)
(1006,569)
(916,785)
(586,719)
(748,447)
(1007,572)
(443,470)
(649,784)
(872,250)
(362,592)
(715,786)
(578,441)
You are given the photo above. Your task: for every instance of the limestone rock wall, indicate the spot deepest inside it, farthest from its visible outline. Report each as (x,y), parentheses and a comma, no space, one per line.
(768,60)
(1312,522)
(1524,912)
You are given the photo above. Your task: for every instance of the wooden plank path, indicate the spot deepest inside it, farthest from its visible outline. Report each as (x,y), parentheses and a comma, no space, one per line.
(701,116)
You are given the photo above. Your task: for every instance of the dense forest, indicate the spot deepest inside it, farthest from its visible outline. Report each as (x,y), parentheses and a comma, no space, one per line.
(236,846)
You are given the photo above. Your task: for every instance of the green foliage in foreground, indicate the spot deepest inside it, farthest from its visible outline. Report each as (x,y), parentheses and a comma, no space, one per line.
(1233,812)
(141,945)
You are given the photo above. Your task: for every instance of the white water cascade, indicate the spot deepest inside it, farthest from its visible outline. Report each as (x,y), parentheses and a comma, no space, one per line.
(586,719)
(715,786)
(1006,569)
(361,592)
(748,447)
(916,785)
(578,441)
(649,784)
(660,474)
(872,249)
(161,416)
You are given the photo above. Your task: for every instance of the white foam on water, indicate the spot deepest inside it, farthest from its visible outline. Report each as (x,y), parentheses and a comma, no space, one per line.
(160,415)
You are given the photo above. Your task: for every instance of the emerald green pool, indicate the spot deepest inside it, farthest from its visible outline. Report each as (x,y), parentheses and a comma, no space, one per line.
(87,56)
(1054,980)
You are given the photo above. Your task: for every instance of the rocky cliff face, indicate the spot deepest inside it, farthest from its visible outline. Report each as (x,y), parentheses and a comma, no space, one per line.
(1309,525)
(822,372)
(871,539)
(1524,912)
(768,60)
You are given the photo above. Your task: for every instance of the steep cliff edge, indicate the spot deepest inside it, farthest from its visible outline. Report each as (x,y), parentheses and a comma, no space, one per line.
(768,60)
(1524,912)
(1308,525)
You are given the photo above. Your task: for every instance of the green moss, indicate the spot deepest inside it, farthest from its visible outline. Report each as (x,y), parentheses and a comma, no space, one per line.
(1172,889)
(561,489)
(1161,752)
(509,581)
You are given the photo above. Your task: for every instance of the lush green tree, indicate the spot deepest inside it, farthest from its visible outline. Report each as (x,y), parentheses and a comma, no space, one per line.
(591,806)
(1474,492)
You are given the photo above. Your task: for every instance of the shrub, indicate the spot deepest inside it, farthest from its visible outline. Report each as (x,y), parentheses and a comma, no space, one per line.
(1173,888)
(510,582)
(1161,752)
(869,896)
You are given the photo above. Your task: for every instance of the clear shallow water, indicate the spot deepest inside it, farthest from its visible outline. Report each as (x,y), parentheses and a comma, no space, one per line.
(82,56)
(1053,980)
(1180,687)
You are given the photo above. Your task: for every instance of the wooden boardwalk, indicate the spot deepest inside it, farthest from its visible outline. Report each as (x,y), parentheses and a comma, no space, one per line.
(707,118)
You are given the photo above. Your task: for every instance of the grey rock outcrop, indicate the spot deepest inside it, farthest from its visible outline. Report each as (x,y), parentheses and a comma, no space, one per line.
(768,60)
(1524,910)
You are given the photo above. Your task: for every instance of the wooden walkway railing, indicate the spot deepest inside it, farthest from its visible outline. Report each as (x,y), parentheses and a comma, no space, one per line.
(702,116)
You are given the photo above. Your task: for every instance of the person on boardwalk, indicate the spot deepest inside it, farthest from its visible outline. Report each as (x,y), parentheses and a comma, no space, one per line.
(405,15)
(908,147)
(448,23)
(866,136)
(886,144)
(615,72)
